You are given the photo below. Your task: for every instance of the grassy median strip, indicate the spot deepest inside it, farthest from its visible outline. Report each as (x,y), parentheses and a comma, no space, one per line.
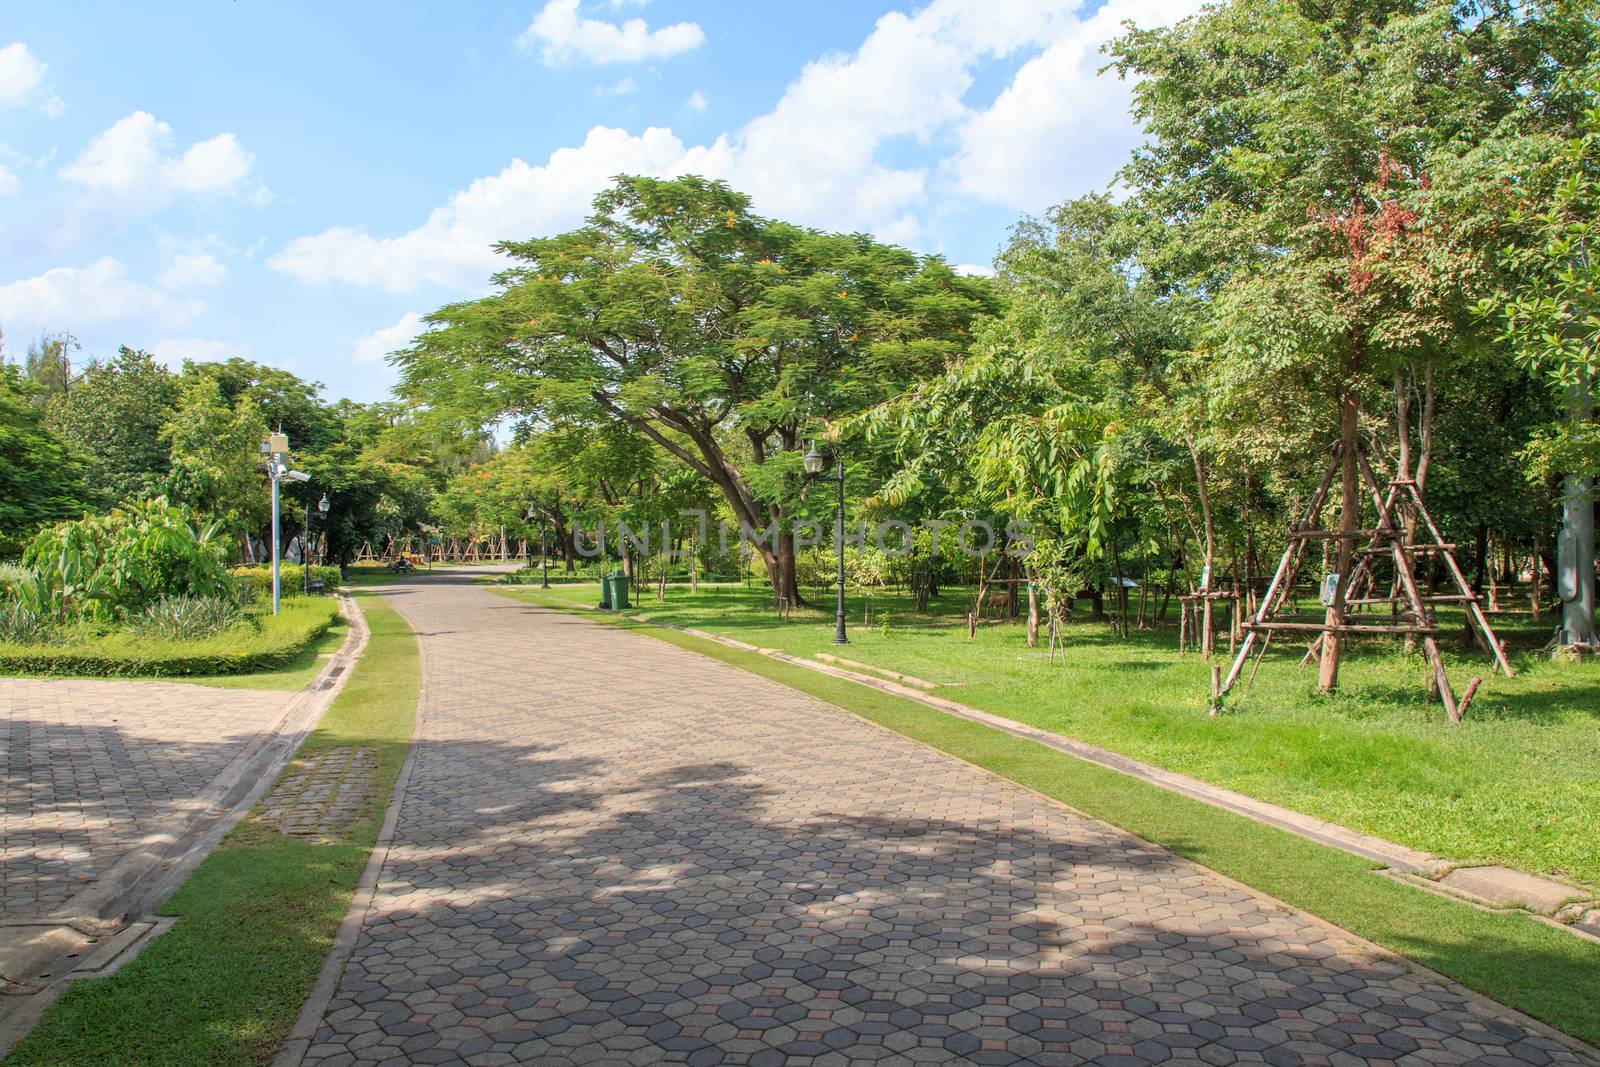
(258,916)
(1508,956)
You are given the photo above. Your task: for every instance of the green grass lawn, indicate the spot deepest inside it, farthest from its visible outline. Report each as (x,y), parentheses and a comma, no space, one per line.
(1517,782)
(1508,956)
(256,918)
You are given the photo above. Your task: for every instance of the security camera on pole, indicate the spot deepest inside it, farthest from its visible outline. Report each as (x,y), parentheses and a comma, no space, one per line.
(276,447)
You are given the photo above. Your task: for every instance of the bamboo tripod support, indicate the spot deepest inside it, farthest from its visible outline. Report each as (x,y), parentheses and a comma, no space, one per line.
(1386,540)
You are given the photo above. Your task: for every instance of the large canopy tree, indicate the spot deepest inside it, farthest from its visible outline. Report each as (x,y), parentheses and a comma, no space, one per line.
(723,337)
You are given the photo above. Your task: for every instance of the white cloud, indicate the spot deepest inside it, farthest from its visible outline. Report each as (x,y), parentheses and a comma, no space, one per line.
(379,343)
(825,154)
(188,270)
(9,182)
(973,270)
(620,87)
(131,163)
(22,80)
(102,292)
(696,101)
(560,33)
(1060,128)
(453,247)
(174,350)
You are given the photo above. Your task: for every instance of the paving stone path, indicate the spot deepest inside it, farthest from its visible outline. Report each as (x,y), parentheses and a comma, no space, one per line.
(321,794)
(612,850)
(92,767)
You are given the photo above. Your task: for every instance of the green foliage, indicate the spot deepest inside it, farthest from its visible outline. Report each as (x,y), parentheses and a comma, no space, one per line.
(41,480)
(256,582)
(724,338)
(21,623)
(215,467)
(114,414)
(111,565)
(1551,308)
(257,642)
(185,618)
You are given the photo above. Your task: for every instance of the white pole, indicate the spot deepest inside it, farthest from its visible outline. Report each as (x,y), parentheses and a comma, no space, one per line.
(275,535)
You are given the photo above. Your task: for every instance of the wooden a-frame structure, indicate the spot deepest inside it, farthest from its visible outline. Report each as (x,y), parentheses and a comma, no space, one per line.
(1386,542)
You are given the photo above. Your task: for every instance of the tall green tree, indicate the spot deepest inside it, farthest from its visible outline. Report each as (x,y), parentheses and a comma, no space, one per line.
(1551,315)
(114,416)
(41,480)
(216,470)
(724,338)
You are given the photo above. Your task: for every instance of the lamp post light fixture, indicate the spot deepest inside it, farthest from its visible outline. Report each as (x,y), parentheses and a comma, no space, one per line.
(816,466)
(275,447)
(305,544)
(544,546)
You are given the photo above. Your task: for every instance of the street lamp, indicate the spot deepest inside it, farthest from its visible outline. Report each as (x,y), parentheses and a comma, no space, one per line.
(816,465)
(544,547)
(305,544)
(275,447)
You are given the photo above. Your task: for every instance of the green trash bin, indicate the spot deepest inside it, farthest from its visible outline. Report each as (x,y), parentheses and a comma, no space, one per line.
(619,591)
(605,592)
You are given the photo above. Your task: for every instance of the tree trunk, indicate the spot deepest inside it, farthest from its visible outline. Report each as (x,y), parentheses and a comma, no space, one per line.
(1534,579)
(1033,616)
(1349,523)
(787,585)
(1204,492)
(1575,580)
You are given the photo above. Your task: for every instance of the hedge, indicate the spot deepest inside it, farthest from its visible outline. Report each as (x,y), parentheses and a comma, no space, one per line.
(261,642)
(290,577)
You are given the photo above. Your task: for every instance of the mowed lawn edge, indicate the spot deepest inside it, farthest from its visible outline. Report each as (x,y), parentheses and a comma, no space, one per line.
(1509,957)
(258,916)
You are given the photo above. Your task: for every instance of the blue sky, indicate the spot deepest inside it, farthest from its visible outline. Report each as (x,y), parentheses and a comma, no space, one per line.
(297,183)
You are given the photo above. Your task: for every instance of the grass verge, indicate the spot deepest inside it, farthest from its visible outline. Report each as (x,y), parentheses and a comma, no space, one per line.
(257,917)
(1516,960)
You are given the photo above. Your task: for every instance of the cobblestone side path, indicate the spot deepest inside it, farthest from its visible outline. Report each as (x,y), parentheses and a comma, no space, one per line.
(91,767)
(614,850)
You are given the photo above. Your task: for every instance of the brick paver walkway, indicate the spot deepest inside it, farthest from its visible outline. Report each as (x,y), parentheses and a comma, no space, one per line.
(612,850)
(92,767)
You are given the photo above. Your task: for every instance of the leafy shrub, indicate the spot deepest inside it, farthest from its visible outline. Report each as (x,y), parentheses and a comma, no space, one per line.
(185,618)
(21,625)
(256,582)
(255,643)
(103,566)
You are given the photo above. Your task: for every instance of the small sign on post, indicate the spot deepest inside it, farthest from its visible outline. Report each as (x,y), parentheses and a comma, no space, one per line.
(1330,589)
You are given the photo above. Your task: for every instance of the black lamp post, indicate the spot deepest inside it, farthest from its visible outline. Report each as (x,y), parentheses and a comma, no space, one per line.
(816,467)
(544,547)
(305,543)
